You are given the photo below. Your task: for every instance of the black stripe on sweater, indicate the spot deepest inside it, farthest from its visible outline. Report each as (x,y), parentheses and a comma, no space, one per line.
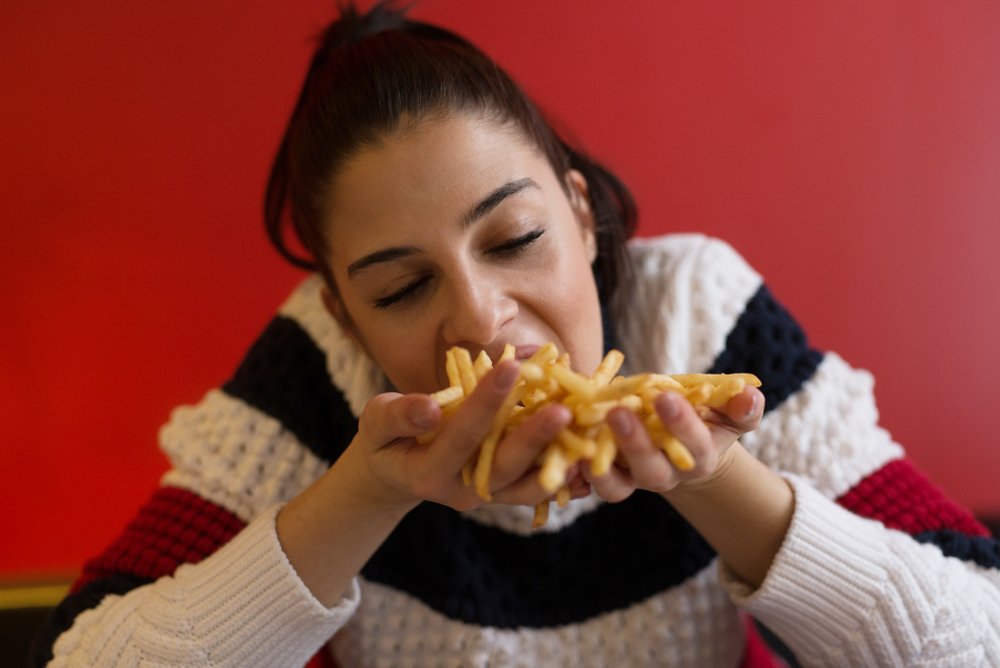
(284,375)
(607,560)
(979,550)
(768,343)
(63,615)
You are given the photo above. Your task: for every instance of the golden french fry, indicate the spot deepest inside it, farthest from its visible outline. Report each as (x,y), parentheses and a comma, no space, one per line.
(541,515)
(482,366)
(484,464)
(607,369)
(575,446)
(574,383)
(606,451)
(692,379)
(448,395)
(724,391)
(545,354)
(547,378)
(553,473)
(678,455)
(465,371)
(699,394)
(588,415)
(615,391)
(451,368)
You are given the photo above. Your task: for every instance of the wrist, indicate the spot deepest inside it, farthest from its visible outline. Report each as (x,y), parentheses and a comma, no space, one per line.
(364,492)
(728,466)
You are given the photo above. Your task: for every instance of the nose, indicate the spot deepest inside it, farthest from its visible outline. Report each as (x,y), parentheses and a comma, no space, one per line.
(478,310)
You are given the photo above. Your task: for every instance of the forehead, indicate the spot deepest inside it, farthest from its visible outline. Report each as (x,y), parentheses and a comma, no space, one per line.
(430,175)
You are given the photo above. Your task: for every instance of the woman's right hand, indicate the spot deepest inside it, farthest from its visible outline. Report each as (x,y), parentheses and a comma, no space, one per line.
(330,530)
(401,472)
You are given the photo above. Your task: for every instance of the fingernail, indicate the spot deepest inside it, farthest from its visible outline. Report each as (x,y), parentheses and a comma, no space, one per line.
(753,406)
(506,376)
(619,423)
(420,414)
(667,405)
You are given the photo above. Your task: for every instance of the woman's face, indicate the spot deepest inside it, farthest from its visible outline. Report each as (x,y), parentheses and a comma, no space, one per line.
(460,233)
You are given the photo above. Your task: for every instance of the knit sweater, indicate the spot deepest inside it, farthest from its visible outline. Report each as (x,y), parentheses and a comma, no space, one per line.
(878,567)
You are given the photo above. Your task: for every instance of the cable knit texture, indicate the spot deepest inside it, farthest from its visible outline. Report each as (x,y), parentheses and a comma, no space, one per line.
(604,584)
(693,624)
(174,528)
(235,456)
(243,606)
(846,591)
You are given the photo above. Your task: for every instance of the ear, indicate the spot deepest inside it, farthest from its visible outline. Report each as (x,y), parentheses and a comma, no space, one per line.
(579,200)
(335,307)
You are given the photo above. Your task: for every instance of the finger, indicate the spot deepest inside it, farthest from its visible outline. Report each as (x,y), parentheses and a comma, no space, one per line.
(518,452)
(525,491)
(647,464)
(391,416)
(680,419)
(614,486)
(743,412)
(465,430)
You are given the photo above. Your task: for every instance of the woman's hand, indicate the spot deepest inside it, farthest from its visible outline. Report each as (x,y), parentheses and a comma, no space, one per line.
(741,507)
(399,471)
(384,473)
(708,443)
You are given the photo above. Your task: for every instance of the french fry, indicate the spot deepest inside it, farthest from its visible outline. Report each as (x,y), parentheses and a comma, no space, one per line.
(451,368)
(541,515)
(606,451)
(481,476)
(466,373)
(482,366)
(448,396)
(608,368)
(547,378)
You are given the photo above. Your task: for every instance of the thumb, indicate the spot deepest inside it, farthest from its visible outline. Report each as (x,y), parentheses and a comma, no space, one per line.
(392,416)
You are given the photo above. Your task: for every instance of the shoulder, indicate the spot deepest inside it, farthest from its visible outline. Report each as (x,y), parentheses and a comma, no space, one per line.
(693,286)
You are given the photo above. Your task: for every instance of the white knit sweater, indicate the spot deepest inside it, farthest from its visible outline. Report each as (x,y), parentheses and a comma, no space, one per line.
(843,590)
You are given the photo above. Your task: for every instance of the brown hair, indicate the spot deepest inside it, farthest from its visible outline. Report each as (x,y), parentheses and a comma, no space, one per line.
(372,73)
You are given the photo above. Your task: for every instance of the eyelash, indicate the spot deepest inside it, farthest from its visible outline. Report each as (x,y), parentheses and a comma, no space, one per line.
(508,249)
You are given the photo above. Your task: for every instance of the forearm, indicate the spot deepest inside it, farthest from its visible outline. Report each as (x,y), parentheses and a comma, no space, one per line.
(331,530)
(743,510)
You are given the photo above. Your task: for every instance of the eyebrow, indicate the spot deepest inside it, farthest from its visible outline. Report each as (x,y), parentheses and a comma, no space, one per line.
(477,212)
(494,199)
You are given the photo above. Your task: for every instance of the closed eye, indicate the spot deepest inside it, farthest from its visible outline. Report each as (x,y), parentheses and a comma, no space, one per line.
(516,246)
(407,292)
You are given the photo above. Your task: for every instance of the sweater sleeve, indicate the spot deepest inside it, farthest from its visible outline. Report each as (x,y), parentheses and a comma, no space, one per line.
(199,577)
(879,566)
(242,606)
(847,591)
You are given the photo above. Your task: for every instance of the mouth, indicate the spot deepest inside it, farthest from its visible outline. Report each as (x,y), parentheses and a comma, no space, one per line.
(523,352)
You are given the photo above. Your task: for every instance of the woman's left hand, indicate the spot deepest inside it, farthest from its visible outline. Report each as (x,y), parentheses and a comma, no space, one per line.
(708,441)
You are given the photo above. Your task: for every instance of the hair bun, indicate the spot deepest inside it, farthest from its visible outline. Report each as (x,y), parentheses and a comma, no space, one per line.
(353,26)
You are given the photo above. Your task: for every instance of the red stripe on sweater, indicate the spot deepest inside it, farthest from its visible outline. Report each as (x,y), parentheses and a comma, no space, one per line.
(902,497)
(174,527)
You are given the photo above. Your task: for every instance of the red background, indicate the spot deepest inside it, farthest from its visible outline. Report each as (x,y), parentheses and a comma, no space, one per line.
(850,150)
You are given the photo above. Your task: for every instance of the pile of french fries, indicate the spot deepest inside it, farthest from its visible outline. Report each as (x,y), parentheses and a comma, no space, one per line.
(546,378)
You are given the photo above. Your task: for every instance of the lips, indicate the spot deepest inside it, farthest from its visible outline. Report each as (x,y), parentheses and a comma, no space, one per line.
(523,352)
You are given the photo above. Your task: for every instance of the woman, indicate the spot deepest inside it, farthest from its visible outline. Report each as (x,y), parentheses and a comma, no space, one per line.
(440,209)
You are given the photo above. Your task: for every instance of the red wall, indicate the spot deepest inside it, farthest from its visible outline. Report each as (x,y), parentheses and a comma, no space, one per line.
(850,150)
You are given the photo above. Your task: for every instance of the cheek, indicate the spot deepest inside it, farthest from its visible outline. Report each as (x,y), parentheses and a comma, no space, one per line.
(574,311)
